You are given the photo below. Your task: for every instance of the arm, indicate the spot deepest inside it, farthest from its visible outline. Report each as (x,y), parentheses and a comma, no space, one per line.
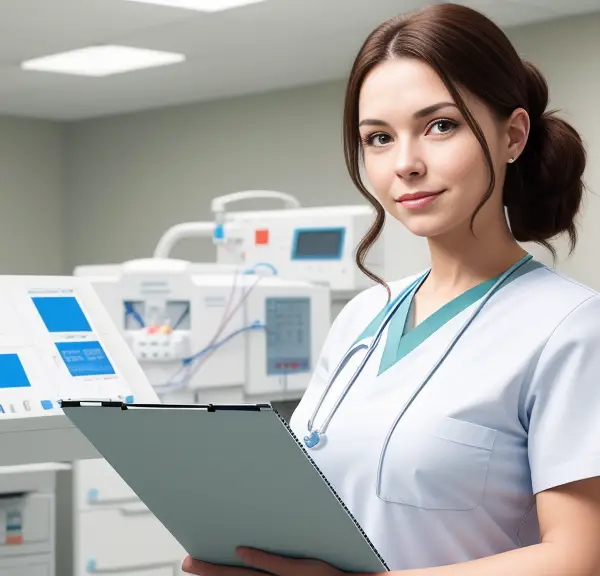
(569,519)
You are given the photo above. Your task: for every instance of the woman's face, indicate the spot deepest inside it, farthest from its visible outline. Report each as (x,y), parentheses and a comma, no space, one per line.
(425,165)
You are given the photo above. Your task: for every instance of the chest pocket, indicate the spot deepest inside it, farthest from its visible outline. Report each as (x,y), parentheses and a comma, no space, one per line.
(440,465)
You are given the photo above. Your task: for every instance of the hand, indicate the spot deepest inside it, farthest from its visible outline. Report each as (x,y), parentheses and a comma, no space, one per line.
(263,562)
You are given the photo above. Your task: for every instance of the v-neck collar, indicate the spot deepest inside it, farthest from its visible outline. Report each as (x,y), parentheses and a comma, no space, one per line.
(402,339)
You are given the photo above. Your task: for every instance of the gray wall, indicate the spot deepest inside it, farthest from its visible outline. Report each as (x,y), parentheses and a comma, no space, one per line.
(129,178)
(31,195)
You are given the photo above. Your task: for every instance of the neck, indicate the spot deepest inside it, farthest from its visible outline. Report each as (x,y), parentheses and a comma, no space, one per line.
(461,262)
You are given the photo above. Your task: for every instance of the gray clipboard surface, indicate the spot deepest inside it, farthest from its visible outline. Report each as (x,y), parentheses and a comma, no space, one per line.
(221,476)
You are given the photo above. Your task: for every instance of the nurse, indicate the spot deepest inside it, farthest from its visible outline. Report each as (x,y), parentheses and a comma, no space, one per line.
(468,443)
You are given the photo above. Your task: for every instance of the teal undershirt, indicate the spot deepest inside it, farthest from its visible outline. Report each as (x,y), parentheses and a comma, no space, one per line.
(402,338)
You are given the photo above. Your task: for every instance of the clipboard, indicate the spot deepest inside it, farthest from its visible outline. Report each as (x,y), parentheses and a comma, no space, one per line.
(218,476)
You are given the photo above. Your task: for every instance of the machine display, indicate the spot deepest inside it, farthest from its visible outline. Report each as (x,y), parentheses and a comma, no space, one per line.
(56,342)
(318,244)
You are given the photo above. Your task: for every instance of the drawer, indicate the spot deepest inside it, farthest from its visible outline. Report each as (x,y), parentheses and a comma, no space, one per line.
(28,566)
(97,485)
(27,524)
(126,540)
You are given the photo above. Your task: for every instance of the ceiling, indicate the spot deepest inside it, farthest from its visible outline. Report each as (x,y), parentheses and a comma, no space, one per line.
(266,46)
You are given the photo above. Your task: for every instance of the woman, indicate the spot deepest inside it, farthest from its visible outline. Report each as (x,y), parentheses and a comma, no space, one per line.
(470,442)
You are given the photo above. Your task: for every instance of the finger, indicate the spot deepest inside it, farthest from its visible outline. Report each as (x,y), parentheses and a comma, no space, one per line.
(273,563)
(192,566)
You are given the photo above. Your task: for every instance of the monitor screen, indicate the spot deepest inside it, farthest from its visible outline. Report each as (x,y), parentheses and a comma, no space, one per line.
(85,358)
(61,314)
(12,373)
(319,243)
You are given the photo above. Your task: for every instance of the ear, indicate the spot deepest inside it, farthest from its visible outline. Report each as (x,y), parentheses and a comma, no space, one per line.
(517,132)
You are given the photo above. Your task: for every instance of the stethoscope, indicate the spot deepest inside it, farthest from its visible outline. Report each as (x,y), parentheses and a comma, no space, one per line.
(316,437)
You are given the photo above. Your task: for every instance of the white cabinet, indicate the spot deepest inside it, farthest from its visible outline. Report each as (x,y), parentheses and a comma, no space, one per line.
(98,486)
(27,519)
(115,533)
(26,524)
(27,566)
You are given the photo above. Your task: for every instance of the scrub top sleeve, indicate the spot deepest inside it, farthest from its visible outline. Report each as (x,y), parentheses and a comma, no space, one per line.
(563,402)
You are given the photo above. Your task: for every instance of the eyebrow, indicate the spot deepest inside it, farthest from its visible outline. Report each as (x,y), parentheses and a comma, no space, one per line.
(419,114)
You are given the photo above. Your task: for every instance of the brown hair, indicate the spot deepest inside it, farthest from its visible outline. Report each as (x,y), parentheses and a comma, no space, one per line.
(543,188)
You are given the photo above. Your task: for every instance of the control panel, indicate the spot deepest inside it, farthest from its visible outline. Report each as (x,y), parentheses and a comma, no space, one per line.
(56,342)
(288,335)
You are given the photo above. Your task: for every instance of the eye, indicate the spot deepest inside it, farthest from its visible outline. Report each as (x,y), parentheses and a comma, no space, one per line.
(442,126)
(377,139)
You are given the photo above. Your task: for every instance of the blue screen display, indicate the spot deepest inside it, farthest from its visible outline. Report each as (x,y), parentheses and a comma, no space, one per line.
(62,314)
(85,358)
(12,373)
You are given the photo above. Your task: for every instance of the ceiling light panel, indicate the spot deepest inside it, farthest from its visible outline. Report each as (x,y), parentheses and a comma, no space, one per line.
(102,60)
(201,5)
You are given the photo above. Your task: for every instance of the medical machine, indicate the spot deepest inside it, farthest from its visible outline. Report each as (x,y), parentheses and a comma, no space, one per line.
(311,244)
(56,341)
(214,333)
(314,244)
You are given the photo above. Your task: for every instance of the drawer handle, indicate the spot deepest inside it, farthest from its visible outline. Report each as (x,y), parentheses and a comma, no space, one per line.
(93,569)
(93,499)
(129,512)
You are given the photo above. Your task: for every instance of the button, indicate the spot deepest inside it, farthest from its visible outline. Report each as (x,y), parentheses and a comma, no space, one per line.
(47,405)
(261,237)
(27,405)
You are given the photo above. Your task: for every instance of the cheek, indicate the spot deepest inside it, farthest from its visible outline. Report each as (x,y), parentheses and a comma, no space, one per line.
(463,166)
(379,170)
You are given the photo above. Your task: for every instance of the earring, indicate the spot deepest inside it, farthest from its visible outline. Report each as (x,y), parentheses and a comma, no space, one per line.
(511,160)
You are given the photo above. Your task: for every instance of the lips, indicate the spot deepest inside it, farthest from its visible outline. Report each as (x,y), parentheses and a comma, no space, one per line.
(417,196)
(418,200)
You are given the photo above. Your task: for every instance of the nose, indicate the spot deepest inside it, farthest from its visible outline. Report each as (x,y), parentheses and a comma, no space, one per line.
(409,164)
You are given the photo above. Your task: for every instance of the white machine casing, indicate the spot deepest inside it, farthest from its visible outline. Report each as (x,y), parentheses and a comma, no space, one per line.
(316,244)
(237,370)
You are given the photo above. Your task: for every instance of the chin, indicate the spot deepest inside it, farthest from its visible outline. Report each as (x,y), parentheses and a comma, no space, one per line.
(424,226)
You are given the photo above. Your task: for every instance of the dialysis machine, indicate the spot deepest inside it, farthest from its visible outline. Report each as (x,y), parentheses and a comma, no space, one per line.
(56,342)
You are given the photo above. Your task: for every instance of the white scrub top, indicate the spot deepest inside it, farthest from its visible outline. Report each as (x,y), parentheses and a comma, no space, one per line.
(513,410)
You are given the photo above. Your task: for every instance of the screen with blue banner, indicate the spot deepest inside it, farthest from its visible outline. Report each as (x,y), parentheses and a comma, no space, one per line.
(61,314)
(85,358)
(12,373)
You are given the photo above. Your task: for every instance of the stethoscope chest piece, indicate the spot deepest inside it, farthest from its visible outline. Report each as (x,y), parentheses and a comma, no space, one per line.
(314,439)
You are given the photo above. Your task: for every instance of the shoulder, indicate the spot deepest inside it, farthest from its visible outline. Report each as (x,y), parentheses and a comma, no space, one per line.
(568,312)
(546,298)
(562,285)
